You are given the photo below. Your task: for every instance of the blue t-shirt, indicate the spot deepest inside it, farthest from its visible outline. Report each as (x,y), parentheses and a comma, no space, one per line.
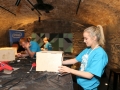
(34,46)
(48,46)
(95,64)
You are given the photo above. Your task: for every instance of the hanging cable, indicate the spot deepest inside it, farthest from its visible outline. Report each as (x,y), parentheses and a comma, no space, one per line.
(78,6)
(7,10)
(17,2)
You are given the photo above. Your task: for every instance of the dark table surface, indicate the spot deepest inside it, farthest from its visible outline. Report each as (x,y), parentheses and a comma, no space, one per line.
(23,79)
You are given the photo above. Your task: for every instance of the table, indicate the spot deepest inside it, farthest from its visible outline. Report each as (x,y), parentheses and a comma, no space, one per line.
(22,80)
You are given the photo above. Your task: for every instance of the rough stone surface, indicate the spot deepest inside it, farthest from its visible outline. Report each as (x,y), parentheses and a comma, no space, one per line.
(63,18)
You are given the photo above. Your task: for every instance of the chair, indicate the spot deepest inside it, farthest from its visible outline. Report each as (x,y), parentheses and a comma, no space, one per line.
(116,75)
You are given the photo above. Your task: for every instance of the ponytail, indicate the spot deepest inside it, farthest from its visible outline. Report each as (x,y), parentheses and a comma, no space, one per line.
(101,40)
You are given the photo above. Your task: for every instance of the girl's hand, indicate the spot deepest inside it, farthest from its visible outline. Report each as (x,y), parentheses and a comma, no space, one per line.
(42,49)
(19,55)
(63,69)
(27,45)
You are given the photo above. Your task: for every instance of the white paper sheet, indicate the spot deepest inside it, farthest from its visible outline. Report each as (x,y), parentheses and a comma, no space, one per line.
(8,71)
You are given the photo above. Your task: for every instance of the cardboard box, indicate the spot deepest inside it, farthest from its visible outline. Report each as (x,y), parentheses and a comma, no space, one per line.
(49,60)
(15,49)
(7,54)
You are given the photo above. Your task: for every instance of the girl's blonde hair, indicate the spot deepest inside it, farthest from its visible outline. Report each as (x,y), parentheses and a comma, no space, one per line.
(98,32)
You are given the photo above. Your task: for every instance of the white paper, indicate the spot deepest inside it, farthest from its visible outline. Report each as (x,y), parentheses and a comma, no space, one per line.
(9,71)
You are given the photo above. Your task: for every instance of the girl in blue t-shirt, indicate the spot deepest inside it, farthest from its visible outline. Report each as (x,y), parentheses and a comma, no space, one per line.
(93,59)
(31,47)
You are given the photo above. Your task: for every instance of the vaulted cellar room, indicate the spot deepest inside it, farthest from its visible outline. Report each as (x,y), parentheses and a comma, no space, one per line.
(59,44)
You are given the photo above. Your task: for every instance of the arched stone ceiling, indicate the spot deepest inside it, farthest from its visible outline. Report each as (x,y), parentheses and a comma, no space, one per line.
(104,12)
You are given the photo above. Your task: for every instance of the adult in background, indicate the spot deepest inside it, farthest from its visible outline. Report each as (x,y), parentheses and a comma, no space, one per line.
(93,59)
(31,47)
(47,45)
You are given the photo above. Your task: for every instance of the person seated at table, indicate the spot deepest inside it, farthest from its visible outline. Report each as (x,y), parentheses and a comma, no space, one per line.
(31,47)
(93,59)
(47,45)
